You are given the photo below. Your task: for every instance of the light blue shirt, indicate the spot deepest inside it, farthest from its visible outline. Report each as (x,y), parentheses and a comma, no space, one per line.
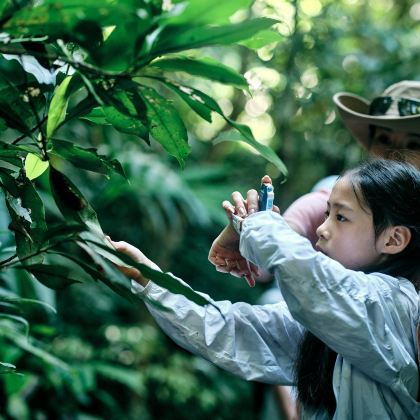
(370,320)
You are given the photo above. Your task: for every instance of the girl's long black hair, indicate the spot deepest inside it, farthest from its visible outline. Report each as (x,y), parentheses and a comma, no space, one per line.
(390,191)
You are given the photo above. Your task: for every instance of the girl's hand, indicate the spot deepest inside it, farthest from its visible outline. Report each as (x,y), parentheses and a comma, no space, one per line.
(225,256)
(224,253)
(137,256)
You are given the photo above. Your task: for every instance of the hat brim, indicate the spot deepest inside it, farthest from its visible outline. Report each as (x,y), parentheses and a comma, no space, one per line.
(354,110)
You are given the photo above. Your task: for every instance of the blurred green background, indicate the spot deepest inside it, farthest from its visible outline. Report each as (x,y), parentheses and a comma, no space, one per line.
(124,365)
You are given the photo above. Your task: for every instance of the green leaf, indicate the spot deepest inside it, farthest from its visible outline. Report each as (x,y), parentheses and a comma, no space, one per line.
(51,275)
(74,206)
(58,106)
(125,376)
(28,217)
(162,279)
(199,11)
(261,39)
(123,123)
(15,111)
(24,343)
(166,125)
(85,106)
(198,101)
(34,166)
(204,67)
(12,155)
(97,116)
(184,37)
(63,231)
(20,301)
(71,202)
(203,104)
(102,271)
(6,367)
(124,108)
(111,56)
(85,158)
(17,319)
(245,135)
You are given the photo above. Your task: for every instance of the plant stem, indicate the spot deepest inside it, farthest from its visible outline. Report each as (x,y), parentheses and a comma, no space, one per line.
(8,259)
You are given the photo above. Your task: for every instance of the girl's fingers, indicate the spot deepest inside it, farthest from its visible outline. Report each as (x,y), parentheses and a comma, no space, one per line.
(250,280)
(266,180)
(276,209)
(229,208)
(239,204)
(252,201)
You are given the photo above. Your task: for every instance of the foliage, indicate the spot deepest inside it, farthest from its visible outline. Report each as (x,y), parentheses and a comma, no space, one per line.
(95,103)
(64,61)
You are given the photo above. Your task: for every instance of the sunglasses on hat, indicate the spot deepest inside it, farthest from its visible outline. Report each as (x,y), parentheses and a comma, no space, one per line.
(381,104)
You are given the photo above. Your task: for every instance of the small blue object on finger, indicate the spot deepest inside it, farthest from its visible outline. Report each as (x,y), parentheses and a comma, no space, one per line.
(266,197)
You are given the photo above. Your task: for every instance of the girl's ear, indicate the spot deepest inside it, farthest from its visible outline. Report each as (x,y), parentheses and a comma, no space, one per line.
(396,239)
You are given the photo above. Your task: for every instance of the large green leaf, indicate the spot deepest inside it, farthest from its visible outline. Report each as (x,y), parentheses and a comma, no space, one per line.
(82,108)
(203,67)
(262,38)
(71,202)
(200,103)
(12,155)
(75,207)
(15,110)
(80,21)
(24,301)
(166,125)
(35,166)
(26,344)
(51,275)
(245,135)
(58,106)
(124,108)
(28,217)
(203,105)
(162,279)
(85,158)
(111,55)
(102,270)
(199,11)
(97,116)
(184,37)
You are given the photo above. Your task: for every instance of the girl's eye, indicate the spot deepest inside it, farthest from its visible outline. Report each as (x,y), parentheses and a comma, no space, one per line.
(326,214)
(340,218)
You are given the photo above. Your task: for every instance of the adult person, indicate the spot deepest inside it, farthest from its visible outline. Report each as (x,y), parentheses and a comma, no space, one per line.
(346,331)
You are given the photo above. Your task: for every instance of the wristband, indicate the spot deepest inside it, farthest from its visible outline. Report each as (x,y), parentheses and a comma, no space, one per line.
(237,223)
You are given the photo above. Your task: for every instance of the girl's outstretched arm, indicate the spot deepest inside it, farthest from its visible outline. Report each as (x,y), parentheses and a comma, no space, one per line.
(253,342)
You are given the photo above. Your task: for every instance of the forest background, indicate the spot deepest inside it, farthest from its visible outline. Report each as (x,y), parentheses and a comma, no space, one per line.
(131,118)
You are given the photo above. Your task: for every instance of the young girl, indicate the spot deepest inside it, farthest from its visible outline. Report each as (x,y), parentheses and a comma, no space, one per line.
(346,331)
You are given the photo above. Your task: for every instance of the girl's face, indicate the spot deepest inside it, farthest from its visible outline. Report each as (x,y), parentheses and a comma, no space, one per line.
(347,234)
(386,142)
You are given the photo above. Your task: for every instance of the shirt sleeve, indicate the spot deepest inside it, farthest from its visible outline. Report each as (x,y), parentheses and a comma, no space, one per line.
(368,319)
(306,213)
(251,341)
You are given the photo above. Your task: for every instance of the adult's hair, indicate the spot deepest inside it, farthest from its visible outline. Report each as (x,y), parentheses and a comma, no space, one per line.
(390,191)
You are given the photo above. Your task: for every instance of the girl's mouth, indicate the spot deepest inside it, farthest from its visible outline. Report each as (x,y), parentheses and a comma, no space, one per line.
(319,249)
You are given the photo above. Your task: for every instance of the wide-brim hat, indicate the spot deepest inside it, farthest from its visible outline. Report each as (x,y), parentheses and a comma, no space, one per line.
(354,111)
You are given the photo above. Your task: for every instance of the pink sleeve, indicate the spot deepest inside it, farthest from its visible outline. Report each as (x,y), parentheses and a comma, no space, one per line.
(307,213)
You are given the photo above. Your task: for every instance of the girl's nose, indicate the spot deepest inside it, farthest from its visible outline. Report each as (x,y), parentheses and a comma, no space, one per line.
(322,231)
